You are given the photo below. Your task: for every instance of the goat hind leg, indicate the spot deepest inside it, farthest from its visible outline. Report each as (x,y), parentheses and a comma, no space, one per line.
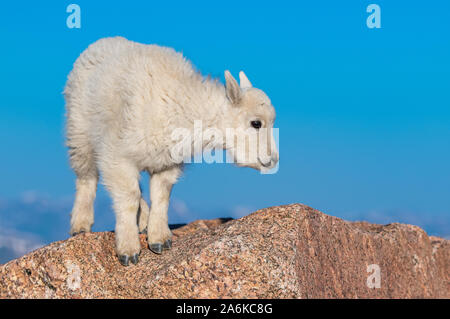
(82,216)
(159,236)
(143,214)
(122,181)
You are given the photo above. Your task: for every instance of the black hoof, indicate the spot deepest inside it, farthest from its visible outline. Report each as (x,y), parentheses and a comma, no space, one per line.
(78,233)
(135,259)
(167,244)
(124,260)
(156,248)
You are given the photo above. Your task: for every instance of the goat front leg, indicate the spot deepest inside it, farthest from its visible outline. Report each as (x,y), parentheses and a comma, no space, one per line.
(122,181)
(159,236)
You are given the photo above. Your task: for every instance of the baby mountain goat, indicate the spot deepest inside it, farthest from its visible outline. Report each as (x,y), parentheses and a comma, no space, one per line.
(124,100)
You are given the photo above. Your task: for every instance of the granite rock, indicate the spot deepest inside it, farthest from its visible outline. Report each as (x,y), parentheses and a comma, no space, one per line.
(288,251)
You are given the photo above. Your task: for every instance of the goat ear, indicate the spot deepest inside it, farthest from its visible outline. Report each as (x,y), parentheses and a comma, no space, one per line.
(232,88)
(245,83)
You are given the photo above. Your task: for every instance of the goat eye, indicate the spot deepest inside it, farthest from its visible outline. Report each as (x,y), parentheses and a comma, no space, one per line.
(256,124)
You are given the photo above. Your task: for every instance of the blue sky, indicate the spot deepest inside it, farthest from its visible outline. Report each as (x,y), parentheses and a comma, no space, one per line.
(364,114)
